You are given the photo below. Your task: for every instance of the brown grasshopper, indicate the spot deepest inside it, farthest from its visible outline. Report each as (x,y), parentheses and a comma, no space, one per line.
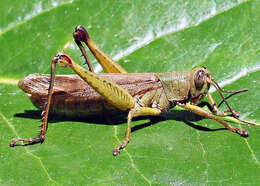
(139,94)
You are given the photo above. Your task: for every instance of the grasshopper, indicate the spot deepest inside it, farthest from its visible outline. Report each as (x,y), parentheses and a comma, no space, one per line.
(138,94)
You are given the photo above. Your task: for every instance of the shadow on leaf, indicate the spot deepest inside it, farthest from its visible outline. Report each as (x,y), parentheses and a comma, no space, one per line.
(178,115)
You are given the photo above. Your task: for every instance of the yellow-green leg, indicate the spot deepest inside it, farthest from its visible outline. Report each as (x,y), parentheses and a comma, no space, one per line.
(113,93)
(200,111)
(137,111)
(108,64)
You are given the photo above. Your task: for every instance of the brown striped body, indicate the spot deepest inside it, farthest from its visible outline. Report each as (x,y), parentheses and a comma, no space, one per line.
(73,97)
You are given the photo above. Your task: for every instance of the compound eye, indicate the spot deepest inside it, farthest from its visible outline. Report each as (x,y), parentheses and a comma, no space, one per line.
(199,78)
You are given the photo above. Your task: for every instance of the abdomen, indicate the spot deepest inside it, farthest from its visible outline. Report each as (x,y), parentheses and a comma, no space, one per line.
(75,98)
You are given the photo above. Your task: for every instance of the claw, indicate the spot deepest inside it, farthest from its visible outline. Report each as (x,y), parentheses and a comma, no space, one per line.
(235,114)
(28,141)
(116,152)
(241,132)
(11,144)
(244,133)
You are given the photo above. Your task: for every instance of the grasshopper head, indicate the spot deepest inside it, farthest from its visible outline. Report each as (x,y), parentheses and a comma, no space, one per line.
(199,84)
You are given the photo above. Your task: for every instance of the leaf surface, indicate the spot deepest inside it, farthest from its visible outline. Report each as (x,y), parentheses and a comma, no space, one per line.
(145,36)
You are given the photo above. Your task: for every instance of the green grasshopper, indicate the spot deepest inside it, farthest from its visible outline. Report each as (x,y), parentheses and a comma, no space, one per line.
(138,94)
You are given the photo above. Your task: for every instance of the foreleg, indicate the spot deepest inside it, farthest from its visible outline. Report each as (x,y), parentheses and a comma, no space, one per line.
(198,110)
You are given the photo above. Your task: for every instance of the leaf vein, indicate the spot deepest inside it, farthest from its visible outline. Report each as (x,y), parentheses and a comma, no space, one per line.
(8,81)
(132,160)
(204,158)
(10,125)
(152,36)
(252,152)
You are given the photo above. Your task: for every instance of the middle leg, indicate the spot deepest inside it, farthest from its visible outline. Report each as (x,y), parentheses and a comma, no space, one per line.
(137,111)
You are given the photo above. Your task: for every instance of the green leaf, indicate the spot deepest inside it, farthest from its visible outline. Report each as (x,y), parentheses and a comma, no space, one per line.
(144,36)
